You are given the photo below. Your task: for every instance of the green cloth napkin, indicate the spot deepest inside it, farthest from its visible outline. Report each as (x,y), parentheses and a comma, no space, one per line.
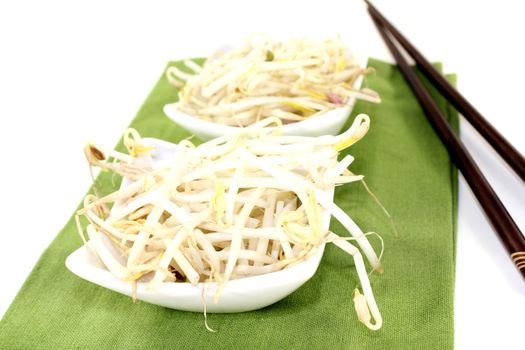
(405,166)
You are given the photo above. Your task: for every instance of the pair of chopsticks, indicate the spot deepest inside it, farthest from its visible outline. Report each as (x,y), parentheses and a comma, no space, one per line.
(503,224)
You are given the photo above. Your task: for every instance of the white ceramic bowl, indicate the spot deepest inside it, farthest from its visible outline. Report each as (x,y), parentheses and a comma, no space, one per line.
(244,294)
(328,123)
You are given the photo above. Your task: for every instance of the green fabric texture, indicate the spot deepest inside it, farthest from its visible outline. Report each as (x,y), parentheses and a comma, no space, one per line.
(406,167)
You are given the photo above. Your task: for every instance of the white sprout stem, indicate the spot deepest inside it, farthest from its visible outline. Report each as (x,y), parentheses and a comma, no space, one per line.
(272,66)
(288,179)
(186,266)
(224,235)
(341,166)
(175,211)
(344,179)
(262,244)
(352,227)
(218,84)
(363,278)
(236,107)
(259,269)
(179,74)
(359,126)
(279,207)
(172,250)
(135,204)
(140,242)
(196,68)
(105,225)
(237,234)
(95,240)
(207,245)
(248,255)
(232,193)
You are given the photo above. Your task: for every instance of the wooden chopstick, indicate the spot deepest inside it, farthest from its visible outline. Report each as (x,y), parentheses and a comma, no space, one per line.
(503,224)
(500,144)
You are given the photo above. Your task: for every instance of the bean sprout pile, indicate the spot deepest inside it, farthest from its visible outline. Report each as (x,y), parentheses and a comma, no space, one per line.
(291,80)
(240,205)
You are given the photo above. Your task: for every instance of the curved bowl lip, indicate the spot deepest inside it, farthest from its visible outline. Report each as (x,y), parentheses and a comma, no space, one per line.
(334,117)
(185,119)
(83,263)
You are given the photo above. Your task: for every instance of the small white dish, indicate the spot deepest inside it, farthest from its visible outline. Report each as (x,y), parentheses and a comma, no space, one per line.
(328,123)
(239,295)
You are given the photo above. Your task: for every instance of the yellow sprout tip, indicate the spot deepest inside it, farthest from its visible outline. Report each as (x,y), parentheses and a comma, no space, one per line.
(345,144)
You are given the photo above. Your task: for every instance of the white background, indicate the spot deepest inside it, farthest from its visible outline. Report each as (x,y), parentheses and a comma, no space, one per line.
(77,71)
